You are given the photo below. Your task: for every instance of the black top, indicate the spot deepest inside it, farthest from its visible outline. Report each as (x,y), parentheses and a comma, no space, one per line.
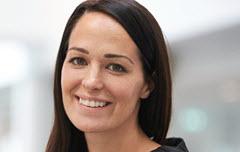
(172,145)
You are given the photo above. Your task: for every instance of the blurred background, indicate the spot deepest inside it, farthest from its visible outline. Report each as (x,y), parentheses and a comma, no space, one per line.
(204,38)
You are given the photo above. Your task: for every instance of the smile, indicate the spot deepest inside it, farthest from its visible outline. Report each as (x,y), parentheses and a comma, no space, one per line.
(92,103)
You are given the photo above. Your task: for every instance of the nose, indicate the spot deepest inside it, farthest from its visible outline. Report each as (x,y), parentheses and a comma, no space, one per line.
(92,79)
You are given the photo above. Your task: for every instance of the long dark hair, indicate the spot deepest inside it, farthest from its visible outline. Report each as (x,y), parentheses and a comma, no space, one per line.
(155,111)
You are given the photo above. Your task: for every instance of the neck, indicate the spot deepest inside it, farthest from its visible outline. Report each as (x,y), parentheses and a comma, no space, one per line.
(126,138)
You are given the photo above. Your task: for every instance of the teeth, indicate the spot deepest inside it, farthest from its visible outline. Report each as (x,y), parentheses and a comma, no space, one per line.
(91,103)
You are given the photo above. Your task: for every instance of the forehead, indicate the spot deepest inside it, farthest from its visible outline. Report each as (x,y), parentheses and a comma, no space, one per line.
(100,22)
(98,31)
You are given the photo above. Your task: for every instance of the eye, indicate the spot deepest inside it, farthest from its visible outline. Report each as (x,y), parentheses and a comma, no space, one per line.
(116,68)
(78,61)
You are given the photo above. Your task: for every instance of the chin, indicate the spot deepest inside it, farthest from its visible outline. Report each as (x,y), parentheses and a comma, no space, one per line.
(92,128)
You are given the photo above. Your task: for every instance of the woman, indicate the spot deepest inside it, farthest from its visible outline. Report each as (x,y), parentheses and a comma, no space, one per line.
(112,88)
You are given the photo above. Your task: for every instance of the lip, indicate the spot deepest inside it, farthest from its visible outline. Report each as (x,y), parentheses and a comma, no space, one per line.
(92,110)
(91,98)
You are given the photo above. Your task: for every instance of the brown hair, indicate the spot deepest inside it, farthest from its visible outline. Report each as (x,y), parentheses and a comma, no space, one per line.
(155,111)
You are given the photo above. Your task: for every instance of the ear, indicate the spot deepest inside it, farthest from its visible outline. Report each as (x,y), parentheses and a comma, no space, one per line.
(147,89)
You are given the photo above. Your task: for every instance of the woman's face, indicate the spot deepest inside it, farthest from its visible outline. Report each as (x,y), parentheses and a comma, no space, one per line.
(102,76)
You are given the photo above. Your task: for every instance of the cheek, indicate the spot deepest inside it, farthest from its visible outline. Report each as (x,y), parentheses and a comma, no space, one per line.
(69,80)
(126,95)
(65,81)
(125,89)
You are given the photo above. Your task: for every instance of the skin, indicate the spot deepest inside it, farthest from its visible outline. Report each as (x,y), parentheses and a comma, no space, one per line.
(90,72)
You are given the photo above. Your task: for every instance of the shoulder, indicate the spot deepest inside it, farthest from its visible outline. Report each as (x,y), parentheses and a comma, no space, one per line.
(172,145)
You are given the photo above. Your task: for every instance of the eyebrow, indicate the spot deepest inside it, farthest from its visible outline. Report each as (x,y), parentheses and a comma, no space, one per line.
(109,55)
(117,56)
(79,49)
